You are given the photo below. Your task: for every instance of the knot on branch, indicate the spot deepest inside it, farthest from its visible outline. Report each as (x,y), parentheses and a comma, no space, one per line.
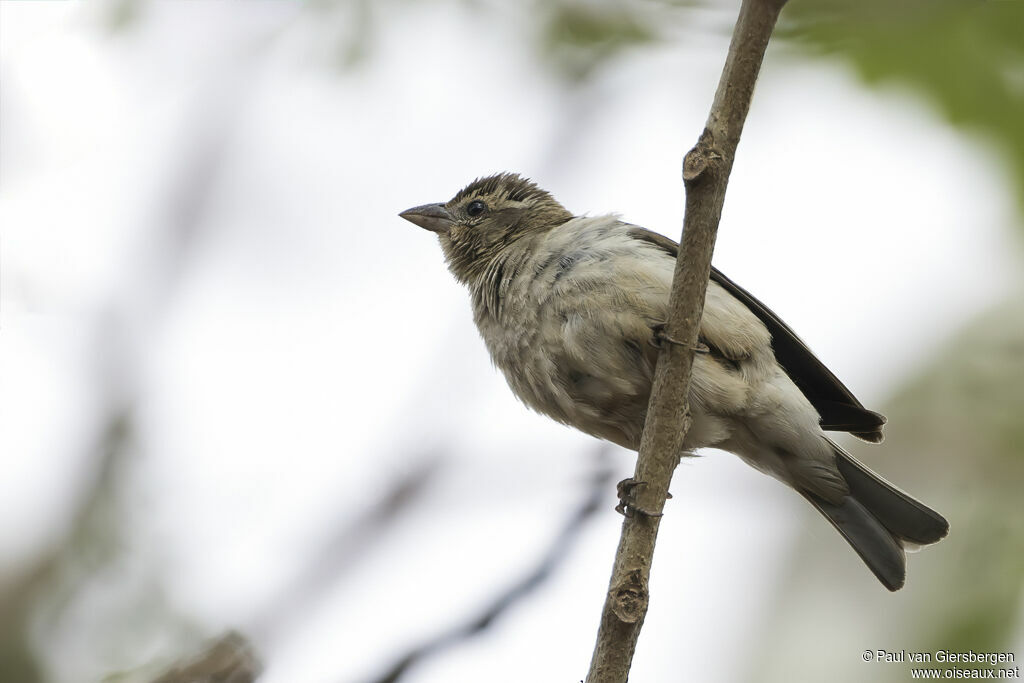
(629,597)
(701,159)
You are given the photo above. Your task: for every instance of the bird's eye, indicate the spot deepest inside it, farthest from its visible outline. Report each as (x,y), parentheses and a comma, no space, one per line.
(475,208)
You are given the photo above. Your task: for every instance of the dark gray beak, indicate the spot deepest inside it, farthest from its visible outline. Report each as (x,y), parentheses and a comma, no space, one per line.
(433,217)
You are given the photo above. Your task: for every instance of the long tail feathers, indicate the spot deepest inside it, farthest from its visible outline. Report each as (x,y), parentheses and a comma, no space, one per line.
(879,521)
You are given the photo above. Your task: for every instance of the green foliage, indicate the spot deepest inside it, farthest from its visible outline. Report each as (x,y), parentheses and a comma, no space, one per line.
(954,439)
(966,57)
(578,37)
(121,14)
(964,417)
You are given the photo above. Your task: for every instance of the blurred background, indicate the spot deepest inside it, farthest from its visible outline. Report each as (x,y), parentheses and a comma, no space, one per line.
(239,395)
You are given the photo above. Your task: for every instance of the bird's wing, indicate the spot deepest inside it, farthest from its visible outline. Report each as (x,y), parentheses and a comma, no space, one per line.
(839,409)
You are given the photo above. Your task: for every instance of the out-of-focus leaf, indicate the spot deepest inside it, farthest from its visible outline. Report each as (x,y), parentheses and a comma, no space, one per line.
(955,439)
(120,15)
(963,419)
(578,37)
(965,57)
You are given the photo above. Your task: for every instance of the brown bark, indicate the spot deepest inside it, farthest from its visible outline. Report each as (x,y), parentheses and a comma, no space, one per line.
(706,171)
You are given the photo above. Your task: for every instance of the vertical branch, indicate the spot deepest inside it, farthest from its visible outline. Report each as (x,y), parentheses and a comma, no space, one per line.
(706,171)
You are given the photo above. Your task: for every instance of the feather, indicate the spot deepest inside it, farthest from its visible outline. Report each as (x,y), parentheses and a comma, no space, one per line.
(838,407)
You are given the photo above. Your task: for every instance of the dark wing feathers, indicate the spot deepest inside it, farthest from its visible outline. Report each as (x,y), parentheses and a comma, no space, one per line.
(839,409)
(664,243)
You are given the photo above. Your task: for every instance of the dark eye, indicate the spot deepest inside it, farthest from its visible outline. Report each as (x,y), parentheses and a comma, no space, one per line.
(475,208)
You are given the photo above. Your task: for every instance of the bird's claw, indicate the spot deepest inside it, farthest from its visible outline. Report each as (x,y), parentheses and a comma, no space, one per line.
(659,337)
(627,506)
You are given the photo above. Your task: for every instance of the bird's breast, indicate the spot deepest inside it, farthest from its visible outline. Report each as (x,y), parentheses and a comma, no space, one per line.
(576,351)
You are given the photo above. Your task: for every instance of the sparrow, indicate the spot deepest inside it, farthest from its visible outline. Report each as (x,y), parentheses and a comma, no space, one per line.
(569,308)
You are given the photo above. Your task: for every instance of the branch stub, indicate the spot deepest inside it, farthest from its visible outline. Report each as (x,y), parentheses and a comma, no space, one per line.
(629,598)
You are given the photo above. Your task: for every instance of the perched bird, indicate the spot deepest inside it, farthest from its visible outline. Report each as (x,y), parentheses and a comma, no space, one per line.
(567,307)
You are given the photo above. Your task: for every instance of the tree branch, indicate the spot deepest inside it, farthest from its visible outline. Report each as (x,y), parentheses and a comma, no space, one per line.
(706,171)
(513,594)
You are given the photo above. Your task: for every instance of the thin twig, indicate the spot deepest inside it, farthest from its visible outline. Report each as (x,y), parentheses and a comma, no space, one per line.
(513,594)
(348,544)
(706,171)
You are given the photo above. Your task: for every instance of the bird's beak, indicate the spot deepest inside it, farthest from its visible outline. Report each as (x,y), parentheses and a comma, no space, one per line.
(433,217)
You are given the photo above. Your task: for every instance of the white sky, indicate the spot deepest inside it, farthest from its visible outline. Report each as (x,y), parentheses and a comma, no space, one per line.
(313,343)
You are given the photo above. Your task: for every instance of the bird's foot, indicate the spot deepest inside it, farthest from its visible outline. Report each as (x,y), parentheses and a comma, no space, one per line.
(659,337)
(627,506)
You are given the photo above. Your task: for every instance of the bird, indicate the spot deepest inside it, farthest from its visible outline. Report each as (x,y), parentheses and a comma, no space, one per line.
(570,308)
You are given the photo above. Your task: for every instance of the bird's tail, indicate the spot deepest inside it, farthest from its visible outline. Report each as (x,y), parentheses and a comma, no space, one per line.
(879,520)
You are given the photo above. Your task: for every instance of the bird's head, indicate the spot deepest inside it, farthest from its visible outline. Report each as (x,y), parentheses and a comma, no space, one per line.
(485,218)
